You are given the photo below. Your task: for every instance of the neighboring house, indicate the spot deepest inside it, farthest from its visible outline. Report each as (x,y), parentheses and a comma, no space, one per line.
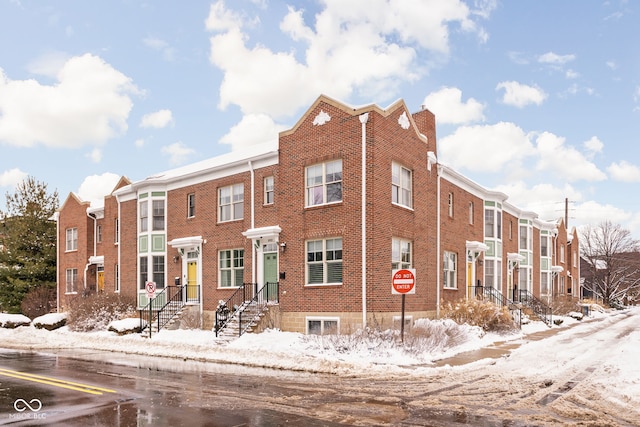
(327,223)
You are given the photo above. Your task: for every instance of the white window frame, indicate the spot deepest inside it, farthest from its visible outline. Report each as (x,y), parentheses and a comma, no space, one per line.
(116,273)
(235,267)
(449,269)
(401,253)
(191,205)
(231,203)
(471,213)
(401,185)
(323,321)
(117,231)
(72,239)
(450,205)
(318,179)
(99,234)
(71,280)
(269,190)
(324,247)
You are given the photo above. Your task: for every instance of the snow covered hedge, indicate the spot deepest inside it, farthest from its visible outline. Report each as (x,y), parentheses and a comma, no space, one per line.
(50,321)
(13,320)
(126,326)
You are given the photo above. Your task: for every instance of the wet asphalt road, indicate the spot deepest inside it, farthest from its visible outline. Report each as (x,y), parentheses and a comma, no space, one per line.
(47,389)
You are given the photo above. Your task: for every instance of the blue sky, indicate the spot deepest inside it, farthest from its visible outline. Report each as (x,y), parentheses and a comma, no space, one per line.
(538,99)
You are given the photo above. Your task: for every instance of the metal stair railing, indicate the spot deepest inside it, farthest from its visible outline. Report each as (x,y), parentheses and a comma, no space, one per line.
(493,295)
(156,311)
(542,310)
(239,302)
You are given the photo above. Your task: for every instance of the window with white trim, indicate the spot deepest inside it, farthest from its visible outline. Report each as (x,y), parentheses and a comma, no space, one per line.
(268,190)
(158,215)
(401,254)
(72,239)
(451,205)
(116,275)
(324,261)
(322,326)
(71,280)
(323,183)
(144,216)
(401,193)
(231,268)
(191,205)
(116,225)
(449,267)
(470,212)
(158,270)
(231,203)
(99,234)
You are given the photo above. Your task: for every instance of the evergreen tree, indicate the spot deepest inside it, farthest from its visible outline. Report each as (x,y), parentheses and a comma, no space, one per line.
(28,243)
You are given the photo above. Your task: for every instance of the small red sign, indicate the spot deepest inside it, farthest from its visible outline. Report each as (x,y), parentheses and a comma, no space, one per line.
(403,281)
(151,289)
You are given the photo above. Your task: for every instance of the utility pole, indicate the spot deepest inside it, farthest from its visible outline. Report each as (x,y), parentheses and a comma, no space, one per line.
(566,212)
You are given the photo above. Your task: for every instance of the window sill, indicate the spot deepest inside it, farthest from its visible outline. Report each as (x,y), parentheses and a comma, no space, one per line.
(324,205)
(71,293)
(322,285)
(449,289)
(403,206)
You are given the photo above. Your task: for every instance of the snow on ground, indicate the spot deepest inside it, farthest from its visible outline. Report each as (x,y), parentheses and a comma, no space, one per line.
(352,354)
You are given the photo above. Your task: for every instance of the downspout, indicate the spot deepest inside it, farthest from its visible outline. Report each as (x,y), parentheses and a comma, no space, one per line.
(438,249)
(363,120)
(254,273)
(57,216)
(86,267)
(117,237)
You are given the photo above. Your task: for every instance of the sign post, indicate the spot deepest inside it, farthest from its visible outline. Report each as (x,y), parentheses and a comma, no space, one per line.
(151,293)
(403,282)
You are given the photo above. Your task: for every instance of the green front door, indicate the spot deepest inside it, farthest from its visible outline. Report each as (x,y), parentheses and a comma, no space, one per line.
(271,275)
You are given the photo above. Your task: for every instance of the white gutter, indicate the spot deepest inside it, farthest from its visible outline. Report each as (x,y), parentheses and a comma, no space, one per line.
(363,119)
(438,249)
(86,267)
(254,273)
(57,217)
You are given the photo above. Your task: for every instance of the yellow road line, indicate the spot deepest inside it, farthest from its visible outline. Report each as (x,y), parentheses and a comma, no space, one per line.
(55,382)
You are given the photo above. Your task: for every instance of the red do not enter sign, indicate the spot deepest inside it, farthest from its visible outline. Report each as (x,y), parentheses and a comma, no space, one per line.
(403,281)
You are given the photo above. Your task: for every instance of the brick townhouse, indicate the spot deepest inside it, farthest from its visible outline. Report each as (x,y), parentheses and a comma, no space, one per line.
(326,213)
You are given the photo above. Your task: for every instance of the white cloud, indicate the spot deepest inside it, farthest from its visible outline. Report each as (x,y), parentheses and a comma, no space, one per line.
(12,177)
(520,95)
(168,53)
(486,148)
(139,143)
(564,161)
(381,53)
(178,153)
(157,120)
(555,59)
(593,145)
(571,74)
(448,107)
(88,105)
(95,187)
(95,155)
(49,64)
(547,200)
(624,171)
(252,129)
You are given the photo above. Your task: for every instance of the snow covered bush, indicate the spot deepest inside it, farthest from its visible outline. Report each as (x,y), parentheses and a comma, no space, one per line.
(50,321)
(94,312)
(475,312)
(126,326)
(11,321)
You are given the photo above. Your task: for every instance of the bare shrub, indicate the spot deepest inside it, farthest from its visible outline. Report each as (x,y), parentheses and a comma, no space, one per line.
(94,312)
(475,312)
(39,301)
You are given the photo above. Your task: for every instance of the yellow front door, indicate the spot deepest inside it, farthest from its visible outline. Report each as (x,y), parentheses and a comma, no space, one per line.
(192,281)
(100,281)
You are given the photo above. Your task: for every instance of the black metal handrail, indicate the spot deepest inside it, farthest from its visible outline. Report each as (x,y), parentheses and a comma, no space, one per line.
(162,313)
(491,294)
(239,301)
(542,310)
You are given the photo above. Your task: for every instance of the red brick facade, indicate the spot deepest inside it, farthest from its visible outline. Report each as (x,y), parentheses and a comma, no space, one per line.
(444,212)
